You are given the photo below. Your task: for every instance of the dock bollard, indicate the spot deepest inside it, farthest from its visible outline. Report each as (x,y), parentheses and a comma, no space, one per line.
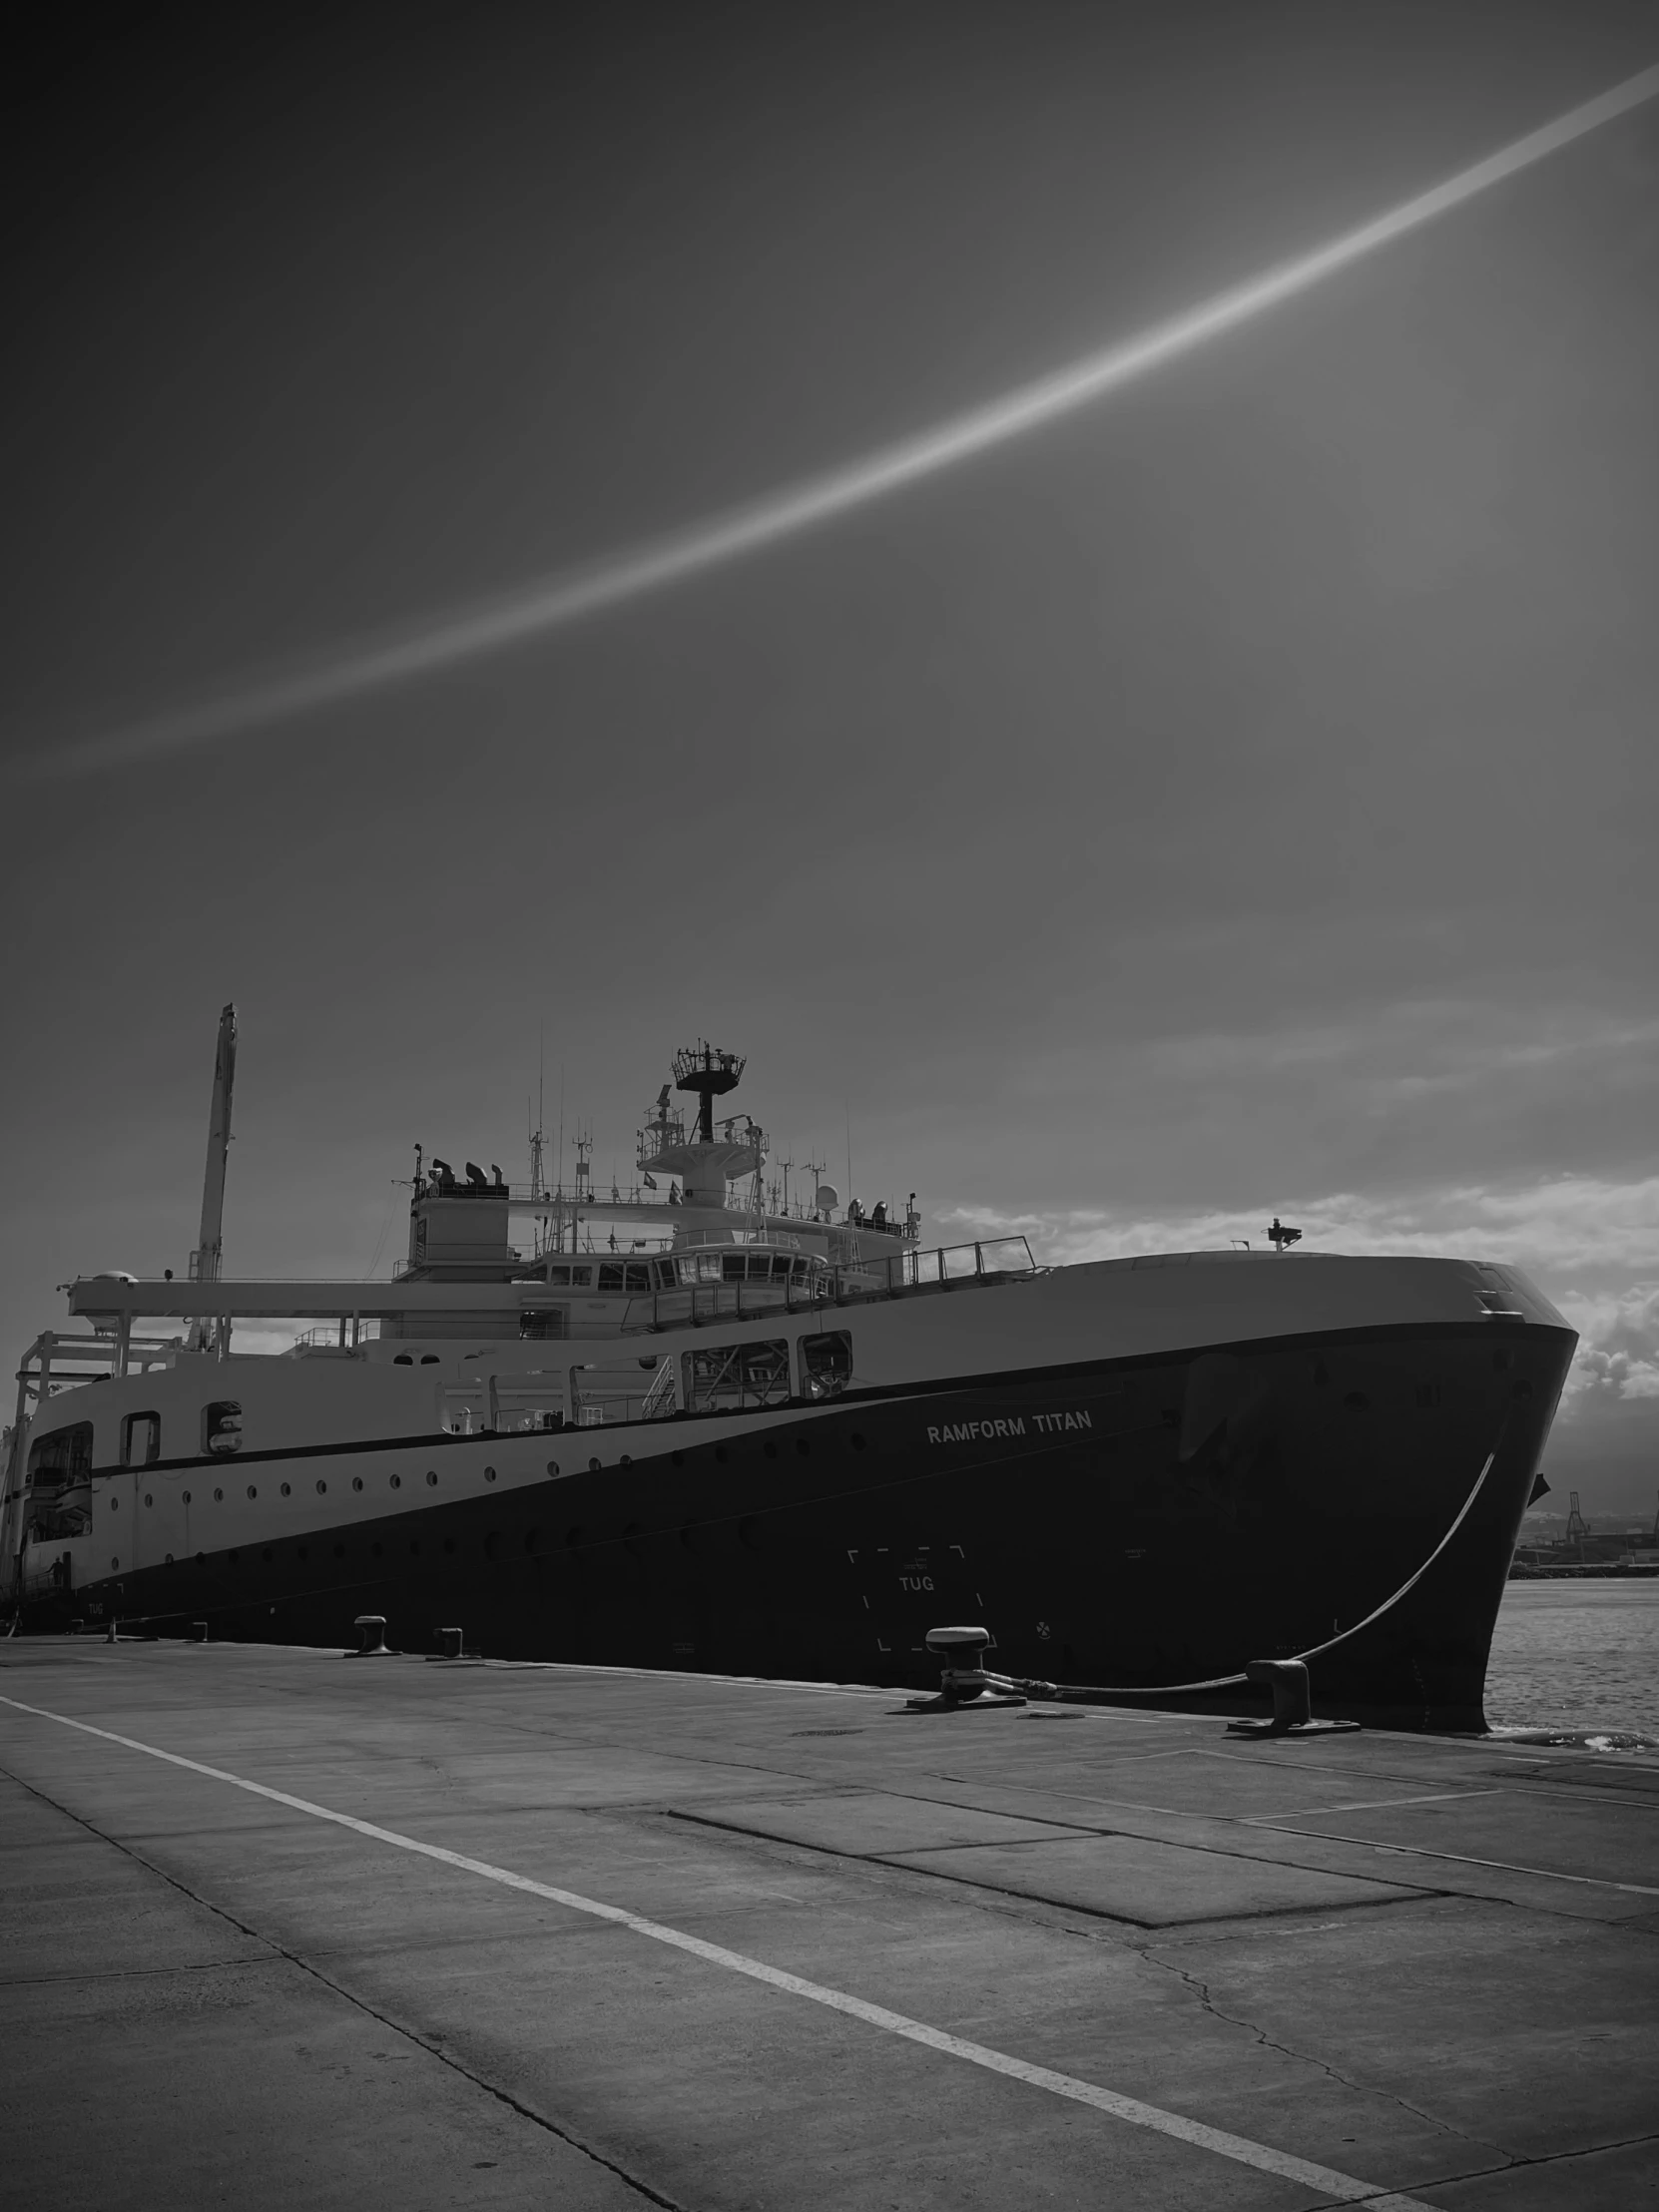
(1293,1708)
(1293,1704)
(110,1634)
(371,1637)
(197,1632)
(962,1679)
(450,1638)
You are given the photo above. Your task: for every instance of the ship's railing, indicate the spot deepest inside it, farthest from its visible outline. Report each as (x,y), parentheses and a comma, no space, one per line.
(989,1260)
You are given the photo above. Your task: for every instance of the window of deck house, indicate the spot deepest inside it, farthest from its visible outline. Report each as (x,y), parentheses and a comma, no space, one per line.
(825,1363)
(60,1464)
(62,1459)
(222,1427)
(735,1378)
(140,1439)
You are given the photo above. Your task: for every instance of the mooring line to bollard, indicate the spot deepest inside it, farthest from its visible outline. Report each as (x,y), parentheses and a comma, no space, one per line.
(1317,1651)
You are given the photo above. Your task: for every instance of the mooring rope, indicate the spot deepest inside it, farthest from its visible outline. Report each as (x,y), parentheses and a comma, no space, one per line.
(1316,1651)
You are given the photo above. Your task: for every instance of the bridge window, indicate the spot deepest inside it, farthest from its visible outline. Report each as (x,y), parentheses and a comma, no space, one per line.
(140,1439)
(222,1427)
(825,1363)
(575,1278)
(733,1378)
(629,1278)
(546,1322)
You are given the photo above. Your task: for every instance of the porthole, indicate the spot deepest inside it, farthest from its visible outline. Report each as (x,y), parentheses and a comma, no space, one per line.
(218,1498)
(720,1456)
(593,1467)
(266,1555)
(202,1559)
(357,1481)
(492,1544)
(625,1461)
(802,1446)
(288,1489)
(168,1561)
(397,1482)
(231,1557)
(114,1504)
(1355,1402)
(251,1491)
(148,1499)
(1500,1362)
(552,1466)
(449,1543)
(375,1551)
(490,1475)
(402,1360)
(304,1552)
(320,1489)
(858,1442)
(339,1552)
(771,1451)
(186,1496)
(532,1540)
(115,1562)
(431,1479)
(428,1358)
(415,1549)
(677,1458)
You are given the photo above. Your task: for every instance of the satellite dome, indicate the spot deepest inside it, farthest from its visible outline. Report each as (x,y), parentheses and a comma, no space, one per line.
(827,1198)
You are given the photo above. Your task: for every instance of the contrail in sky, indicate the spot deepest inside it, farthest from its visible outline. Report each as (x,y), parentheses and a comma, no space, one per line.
(551,602)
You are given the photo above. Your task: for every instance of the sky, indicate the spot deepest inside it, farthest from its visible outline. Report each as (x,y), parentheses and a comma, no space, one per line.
(1234,796)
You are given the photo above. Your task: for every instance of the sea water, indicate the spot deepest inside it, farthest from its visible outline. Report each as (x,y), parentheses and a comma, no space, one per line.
(1579,1656)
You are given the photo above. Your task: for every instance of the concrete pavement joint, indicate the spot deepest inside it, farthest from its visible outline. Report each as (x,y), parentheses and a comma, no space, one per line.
(126,1973)
(394,2028)
(1200,1989)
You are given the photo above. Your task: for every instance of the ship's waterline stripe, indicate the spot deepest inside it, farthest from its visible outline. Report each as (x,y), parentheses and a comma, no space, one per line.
(1342,2188)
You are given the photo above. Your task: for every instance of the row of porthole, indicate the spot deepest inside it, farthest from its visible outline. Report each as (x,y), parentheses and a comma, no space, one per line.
(302,1551)
(595,1466)
(287,1488)
(575,1539)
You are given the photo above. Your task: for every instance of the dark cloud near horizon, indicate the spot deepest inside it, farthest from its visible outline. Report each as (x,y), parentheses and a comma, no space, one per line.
(1245,788)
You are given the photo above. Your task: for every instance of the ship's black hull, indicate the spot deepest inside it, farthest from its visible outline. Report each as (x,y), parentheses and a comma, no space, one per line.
(1133,1525)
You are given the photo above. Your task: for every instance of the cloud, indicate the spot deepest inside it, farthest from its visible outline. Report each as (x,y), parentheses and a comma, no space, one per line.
(1618,1351)
(551,603)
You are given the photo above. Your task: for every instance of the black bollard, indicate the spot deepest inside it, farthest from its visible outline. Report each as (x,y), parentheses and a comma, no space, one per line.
(450,1638)
(197,1632)
(371,1637)
(1292,1710)
(1292,1705)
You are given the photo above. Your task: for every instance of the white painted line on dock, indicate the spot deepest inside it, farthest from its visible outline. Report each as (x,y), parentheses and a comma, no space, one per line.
(1364,1805)
(1279,1826)
(1344,2188)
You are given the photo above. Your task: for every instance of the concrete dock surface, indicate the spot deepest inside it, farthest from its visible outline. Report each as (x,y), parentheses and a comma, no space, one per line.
(282,1928)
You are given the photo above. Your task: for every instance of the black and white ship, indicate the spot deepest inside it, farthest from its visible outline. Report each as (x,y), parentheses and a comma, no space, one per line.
(695,1427)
